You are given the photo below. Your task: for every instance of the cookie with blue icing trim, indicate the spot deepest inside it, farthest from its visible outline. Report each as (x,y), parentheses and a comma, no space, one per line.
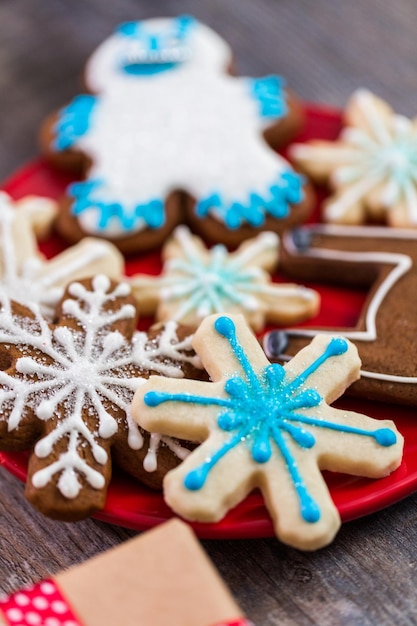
(166,133)
(196,281)
(269,427)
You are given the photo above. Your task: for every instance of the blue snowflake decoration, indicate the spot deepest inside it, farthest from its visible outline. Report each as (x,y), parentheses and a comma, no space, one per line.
(262,411)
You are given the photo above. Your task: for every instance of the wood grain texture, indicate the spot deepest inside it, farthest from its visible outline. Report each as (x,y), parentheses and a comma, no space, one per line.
(325,49)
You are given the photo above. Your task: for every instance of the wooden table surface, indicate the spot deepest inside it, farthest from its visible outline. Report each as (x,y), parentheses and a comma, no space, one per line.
(325,49)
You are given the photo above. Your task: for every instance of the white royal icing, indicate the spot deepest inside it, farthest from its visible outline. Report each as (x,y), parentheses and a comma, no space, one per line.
(27,277)
(381,153)
(73,369)
(194,128)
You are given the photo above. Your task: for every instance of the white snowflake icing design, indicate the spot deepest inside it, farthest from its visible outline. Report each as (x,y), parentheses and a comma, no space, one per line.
(70,369)
(197,281)
(24,273)
(372,166)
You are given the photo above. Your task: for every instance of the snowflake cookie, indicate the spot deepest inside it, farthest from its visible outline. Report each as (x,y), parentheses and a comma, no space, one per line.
(164,117)
(37,212)
(25,275)
(197,281)
(371,167)
(267,426)
(66,389)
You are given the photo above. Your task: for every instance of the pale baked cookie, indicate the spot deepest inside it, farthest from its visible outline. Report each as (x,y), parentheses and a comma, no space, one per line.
(266,426)
(25,274)
(197,281)
(66,389)
(163,116)
(370,168)
(40,212)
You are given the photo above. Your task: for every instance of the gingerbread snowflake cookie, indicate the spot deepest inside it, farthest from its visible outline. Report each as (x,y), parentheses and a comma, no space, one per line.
(25,274)
(197,281)
(267,426)
(163,117)
(66,389)
(370,168)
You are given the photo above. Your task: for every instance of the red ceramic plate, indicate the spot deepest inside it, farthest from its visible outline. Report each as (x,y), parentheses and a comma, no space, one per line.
(133,506)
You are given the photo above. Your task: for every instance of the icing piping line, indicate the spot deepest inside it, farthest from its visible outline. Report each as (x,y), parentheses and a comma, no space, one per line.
(402,264)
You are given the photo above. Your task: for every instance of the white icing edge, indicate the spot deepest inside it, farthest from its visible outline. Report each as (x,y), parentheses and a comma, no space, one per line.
(402,264)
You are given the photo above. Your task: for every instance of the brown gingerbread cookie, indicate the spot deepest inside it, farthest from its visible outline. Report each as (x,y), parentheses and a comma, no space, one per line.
(385,262)
(66,389)
(165,133)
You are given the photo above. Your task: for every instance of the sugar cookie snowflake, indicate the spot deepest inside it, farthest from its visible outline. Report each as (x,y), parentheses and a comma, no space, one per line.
(25,274)
(151,126)
(266,426)
(372,166)
(197,281)
(68,387)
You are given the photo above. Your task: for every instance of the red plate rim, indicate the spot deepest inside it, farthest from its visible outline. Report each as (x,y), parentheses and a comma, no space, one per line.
(131,505)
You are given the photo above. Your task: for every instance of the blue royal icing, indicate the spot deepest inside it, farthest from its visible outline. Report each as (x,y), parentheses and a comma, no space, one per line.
(152,213)
(156,52)
(262,410)
(275,202)
(268,91)
(74,121)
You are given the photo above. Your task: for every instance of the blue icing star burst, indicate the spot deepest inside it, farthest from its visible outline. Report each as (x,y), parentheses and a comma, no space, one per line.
(261,411)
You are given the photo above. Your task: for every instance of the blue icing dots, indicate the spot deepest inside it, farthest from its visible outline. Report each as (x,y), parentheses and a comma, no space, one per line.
(151,213)
(261,411)
(275,202)
(268,91)
(74,121)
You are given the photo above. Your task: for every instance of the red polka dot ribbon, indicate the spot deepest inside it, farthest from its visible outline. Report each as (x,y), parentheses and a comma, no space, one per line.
(44,605)
(40,605)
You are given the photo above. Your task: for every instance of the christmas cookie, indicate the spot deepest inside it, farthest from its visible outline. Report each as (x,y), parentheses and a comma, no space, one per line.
(163,116)
(66,389)
(370,168)
(266,426)
(25,275)
(197,281)
(382,260)
(38,212)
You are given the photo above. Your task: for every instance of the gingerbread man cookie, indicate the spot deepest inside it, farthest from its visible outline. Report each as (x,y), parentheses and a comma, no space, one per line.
(382,260)
(164,117)
(370,168)
(267,426)
(25,274)
(66,389)
(197,281)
